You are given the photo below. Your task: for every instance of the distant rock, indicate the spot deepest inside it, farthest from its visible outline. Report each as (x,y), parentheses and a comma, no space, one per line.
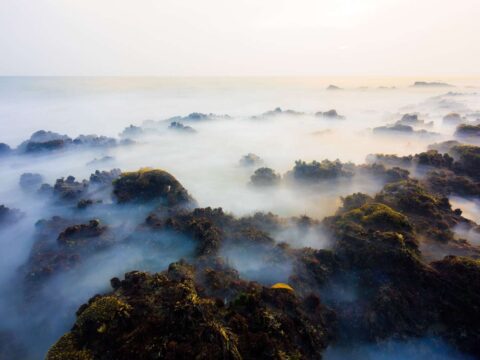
(407,129)
(278,111)
(30,181)
(9,216)
(413,120)
(178,126)
(468,131)
(452,119)
(4,149)
(264,176)
(330,114)
(333,87)
(102,161)
(95,141)
(430,84)
(132,131)
(251,160)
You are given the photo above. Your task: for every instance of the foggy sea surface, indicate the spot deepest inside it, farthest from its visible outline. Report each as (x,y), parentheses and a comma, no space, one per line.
(206,163)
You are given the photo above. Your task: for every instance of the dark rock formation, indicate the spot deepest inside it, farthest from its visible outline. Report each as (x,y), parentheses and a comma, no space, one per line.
(330,114)
(251,160)
(150,185)
(30,181)
(178,126)
(265,177)
(171,316)
(9,216)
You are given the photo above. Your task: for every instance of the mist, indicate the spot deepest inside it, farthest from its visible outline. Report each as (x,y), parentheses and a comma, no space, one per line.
(280,121)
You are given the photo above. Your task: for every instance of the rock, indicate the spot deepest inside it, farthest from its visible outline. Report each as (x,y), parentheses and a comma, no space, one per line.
(265,177)
(430,84)
(315,171)
(69,189)
(250,160)
(467,131)
(9,216)
(452,119)
(333,88)
(413,120)
(178,126)
(102,161)
(44,141)
(95,141)
(30,181)
(4,149)
(330,114)
(168,315)
(147,185)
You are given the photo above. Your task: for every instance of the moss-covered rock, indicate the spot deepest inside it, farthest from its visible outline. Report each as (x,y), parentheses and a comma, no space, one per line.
(170,316)
(150,185)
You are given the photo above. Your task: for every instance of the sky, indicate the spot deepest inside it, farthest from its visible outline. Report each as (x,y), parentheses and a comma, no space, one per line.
(240,38)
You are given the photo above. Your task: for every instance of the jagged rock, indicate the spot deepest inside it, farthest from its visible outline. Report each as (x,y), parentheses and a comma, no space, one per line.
(169,316)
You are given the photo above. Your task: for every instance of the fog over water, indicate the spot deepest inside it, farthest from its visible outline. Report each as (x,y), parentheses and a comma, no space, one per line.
(206,162)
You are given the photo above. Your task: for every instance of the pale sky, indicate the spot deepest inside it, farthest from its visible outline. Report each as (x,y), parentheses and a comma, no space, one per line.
(239,38)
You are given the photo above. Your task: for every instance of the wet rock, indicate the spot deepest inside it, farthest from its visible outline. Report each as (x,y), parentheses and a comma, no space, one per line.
(265,177)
